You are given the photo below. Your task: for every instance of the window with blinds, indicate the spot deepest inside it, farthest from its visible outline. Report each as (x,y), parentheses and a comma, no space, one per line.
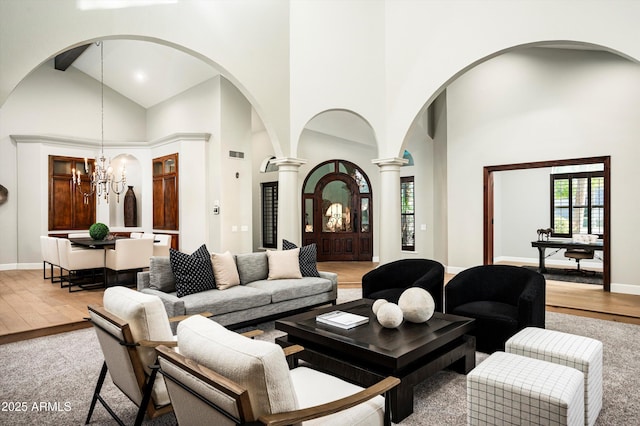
(270,214)
(407,219)
(577,205)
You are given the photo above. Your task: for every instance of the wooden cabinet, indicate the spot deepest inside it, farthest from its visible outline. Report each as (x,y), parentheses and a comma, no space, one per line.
(165,192)
(67,207)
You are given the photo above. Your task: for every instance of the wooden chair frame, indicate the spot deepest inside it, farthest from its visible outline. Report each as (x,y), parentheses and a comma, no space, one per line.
(145,382)
(242,401)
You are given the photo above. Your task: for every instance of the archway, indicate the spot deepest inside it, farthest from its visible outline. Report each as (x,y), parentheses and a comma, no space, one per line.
(336,206)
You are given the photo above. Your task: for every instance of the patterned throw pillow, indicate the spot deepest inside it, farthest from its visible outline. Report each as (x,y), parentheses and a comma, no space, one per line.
(308,256)
(193,272)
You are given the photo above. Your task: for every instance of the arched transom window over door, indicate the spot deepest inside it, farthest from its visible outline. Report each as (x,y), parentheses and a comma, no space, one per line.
(336,205)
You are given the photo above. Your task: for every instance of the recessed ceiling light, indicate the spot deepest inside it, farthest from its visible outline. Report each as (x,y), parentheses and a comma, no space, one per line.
(140,76)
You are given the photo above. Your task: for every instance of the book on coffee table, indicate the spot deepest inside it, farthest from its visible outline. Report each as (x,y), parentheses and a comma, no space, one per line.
(342,319)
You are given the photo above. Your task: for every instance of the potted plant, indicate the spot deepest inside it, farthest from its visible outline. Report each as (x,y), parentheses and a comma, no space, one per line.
(98,231)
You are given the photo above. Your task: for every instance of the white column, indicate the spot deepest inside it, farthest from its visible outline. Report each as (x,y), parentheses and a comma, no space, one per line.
(390,236)
(289,199)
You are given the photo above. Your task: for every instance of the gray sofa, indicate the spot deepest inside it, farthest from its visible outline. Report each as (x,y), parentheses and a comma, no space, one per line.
(256,299)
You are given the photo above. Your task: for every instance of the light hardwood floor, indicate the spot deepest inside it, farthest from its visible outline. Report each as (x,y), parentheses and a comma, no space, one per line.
(32,307)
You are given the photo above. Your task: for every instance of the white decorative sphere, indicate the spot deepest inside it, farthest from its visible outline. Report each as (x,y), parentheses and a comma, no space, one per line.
(376,305)
(416,304)
(389,315)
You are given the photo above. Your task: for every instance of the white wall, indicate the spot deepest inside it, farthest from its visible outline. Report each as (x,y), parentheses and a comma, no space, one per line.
(521,206)
(50,102)
(216,107)
(543,104)
(337,61)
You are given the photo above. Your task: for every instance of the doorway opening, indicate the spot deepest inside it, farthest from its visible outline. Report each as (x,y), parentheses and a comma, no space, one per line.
(489,212)
(336,206)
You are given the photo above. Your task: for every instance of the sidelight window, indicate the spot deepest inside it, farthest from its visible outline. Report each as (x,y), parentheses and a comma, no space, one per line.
(407,205)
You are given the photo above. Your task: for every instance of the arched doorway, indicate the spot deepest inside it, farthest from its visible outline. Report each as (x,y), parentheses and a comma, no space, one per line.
(336,205)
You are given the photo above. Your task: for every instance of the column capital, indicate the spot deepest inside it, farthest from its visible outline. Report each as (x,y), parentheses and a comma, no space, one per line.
(288,163)
(390,163)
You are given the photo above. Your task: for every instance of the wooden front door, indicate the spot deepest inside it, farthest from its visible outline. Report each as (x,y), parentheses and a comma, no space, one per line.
(337,212)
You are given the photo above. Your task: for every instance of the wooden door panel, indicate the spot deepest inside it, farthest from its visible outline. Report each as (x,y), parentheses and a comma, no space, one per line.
(60,202)
(67,209)
(170,202)
(158,204)
(340,204)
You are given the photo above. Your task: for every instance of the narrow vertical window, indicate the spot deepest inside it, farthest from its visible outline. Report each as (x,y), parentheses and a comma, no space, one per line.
(269,214)
(407,192)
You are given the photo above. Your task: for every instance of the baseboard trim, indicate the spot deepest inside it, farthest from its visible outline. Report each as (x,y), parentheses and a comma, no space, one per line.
(625,289)
(14,266)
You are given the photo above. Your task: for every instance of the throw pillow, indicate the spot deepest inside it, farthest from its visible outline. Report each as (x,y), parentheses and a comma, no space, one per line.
(252,267)
(283,264)
(308,257)
(225,270)
(160,276)
(193,272)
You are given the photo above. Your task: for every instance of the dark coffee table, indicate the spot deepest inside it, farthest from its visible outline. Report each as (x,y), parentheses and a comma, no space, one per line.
(369,352)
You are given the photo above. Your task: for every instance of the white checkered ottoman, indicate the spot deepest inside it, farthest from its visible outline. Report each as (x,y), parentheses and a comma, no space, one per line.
(581,353)
(509,389)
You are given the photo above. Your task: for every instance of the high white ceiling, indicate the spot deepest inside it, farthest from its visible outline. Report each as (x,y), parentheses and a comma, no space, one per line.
(145,72)
(149,73)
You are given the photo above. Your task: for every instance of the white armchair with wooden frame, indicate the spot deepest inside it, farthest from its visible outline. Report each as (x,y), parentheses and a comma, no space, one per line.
(220,377)
(129,327)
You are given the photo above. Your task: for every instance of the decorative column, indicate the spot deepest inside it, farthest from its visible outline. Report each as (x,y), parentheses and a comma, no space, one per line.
(289,199)
(389,217)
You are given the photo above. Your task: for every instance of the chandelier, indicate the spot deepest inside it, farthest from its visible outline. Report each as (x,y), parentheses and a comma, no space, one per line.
(102,180)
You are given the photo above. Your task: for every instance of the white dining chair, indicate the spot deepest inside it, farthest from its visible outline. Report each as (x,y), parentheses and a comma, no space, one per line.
(79,264)
(128,255)
(161,245)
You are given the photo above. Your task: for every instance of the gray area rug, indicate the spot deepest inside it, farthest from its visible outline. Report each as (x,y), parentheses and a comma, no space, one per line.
(568,275)
(50,380)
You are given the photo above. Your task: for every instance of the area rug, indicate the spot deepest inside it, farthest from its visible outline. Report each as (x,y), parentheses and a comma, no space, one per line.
(556,274)
(49,380)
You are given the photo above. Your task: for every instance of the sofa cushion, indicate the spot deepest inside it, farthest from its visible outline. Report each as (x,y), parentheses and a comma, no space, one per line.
(237,298)
(258,366)
(288,289)
(224,270)
(252,267)
(283,264)
(307,258)
(160,275)
(193,272)
(314,388)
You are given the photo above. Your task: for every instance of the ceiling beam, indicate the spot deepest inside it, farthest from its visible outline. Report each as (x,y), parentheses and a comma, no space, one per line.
(65,59)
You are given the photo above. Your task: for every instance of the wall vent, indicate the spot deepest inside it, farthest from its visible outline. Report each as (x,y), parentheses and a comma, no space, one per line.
(236,154)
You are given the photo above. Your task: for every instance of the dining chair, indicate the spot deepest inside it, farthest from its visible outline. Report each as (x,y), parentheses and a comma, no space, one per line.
(161,245)
(50,258)
(135,235)
(128,255)
(79,265)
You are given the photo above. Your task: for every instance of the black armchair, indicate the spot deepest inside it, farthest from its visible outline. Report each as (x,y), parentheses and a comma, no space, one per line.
(503,300)
(388,281)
